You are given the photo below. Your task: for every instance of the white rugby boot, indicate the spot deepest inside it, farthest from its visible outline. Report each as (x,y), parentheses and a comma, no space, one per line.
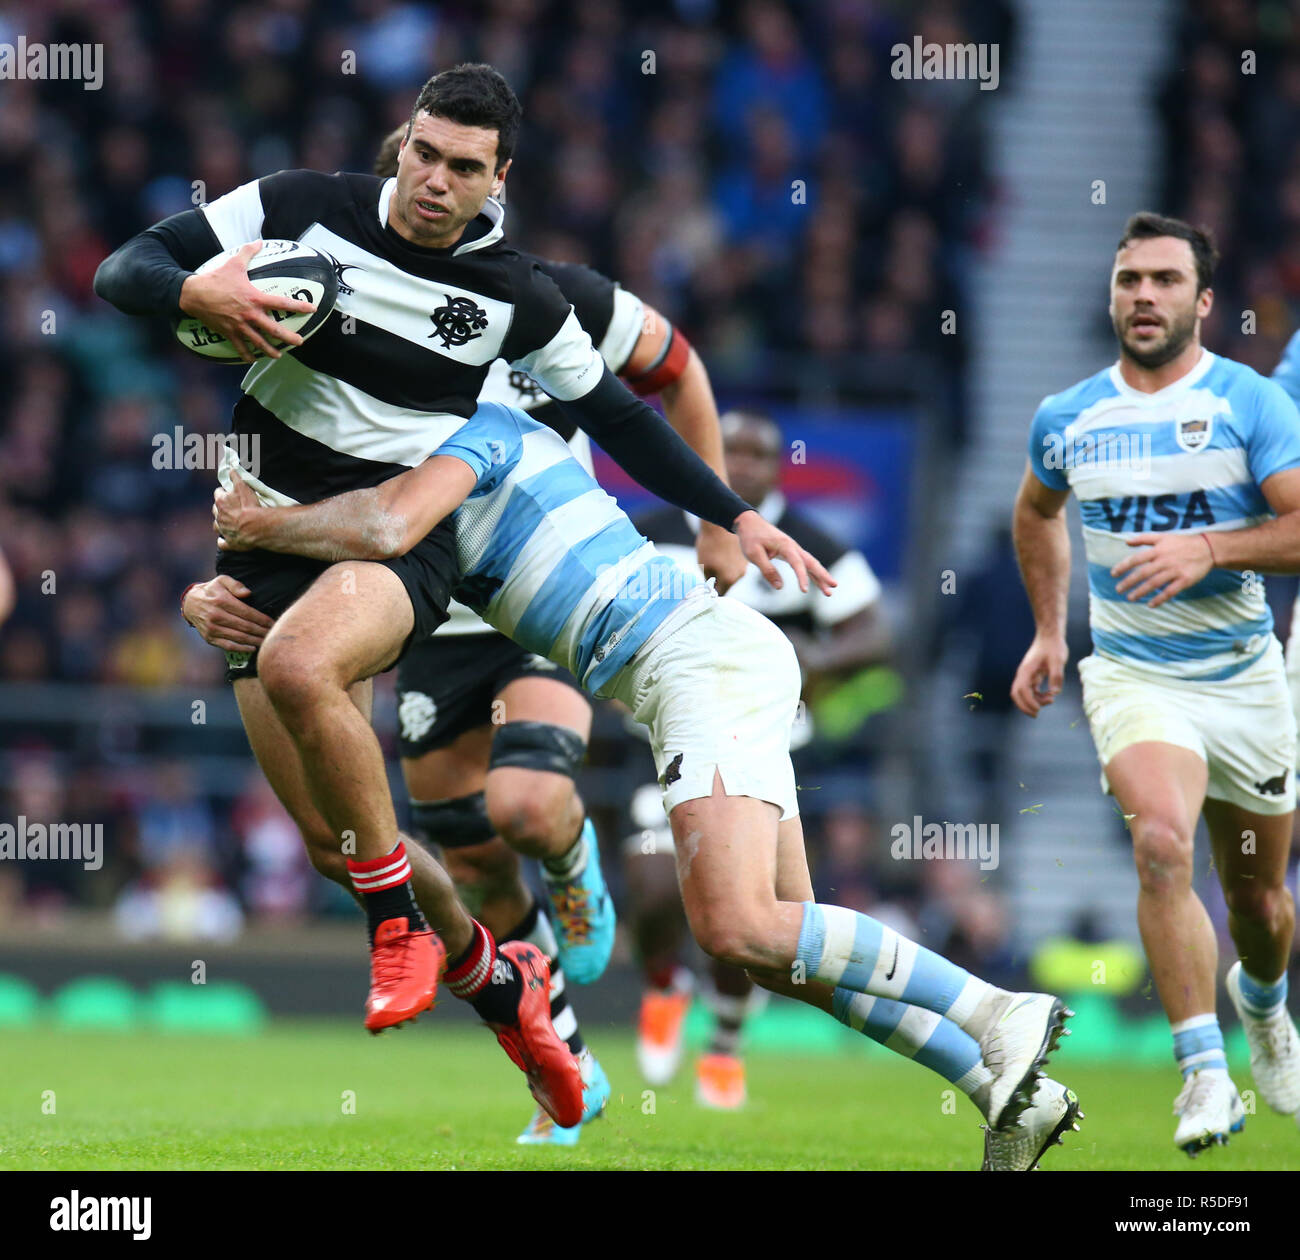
(1053,1112)
(1274,1051)
(1016,1048)
(1209,1109)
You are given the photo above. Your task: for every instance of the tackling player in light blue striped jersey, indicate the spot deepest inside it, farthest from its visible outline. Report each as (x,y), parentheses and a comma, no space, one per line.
(548,558)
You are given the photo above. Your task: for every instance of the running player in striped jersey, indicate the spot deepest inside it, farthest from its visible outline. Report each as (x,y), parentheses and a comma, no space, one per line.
(548,558)
(1187,470)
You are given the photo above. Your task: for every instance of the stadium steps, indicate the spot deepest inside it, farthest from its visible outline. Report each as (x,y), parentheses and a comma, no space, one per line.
(1076,108)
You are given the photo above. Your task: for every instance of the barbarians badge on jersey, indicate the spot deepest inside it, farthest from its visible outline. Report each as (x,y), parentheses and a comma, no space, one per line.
(456,322)
(1194,435)
(524,385)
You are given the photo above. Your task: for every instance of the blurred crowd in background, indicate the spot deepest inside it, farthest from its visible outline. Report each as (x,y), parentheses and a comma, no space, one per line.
(1231,113)
(751,169)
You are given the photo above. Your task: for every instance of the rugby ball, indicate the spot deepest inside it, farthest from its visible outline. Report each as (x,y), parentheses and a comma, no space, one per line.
(281,268)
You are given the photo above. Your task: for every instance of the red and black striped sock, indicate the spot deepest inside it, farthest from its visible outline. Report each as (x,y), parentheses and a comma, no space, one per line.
(488,982)
(385,885)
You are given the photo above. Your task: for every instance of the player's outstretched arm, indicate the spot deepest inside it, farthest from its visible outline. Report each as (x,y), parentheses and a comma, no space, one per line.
(379,523)
(635,436)
(1043,550)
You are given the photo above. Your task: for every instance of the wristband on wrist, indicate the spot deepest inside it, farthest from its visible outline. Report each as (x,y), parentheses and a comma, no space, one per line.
(1213,559)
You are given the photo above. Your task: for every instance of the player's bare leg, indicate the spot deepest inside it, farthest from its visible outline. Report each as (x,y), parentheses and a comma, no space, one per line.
(1250,854)
(533,805)
(539,813)
(281,761)
(1161,789)
(350,625)
(927,1038)
(442,783)
(794,884)
(277,755)
(727,866)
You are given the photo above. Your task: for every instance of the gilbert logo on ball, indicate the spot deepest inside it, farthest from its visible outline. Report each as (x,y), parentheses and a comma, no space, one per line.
(282,269)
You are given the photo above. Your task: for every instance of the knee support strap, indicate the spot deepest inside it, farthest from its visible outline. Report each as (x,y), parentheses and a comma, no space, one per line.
(538,746)
(452,824)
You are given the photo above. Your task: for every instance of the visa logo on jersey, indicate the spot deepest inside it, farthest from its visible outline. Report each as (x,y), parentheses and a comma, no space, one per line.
(1139,513)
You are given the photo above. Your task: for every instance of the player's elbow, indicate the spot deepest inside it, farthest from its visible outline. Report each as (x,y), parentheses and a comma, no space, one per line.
(106,277)
(1037,505)
(389,537)
(394,535)
(410,536)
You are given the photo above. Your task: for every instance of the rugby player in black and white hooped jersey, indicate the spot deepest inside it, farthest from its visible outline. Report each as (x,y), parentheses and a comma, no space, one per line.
(491,735)
(368,396)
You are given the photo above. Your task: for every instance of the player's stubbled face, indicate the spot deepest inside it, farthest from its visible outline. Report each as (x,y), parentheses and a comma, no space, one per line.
(445,172)
(1154,305)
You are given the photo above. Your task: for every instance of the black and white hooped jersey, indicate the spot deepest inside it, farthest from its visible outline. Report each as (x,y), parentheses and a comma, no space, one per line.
(399,365)
(612,317)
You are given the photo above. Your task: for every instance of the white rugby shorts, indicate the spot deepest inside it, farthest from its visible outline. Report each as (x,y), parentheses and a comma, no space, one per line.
(720,693)
(1242,727)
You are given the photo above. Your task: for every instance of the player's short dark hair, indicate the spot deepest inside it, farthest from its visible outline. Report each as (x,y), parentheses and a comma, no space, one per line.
(1146,224)
(473,95)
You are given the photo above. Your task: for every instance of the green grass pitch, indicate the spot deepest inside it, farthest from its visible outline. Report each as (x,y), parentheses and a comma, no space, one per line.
(438,1098)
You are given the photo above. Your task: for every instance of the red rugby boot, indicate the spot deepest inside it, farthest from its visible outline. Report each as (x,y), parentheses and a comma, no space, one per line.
(404,971)
(532,1042)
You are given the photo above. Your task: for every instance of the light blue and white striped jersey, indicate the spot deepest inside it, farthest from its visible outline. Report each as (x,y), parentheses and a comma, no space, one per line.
(1189,458)
(550,559)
